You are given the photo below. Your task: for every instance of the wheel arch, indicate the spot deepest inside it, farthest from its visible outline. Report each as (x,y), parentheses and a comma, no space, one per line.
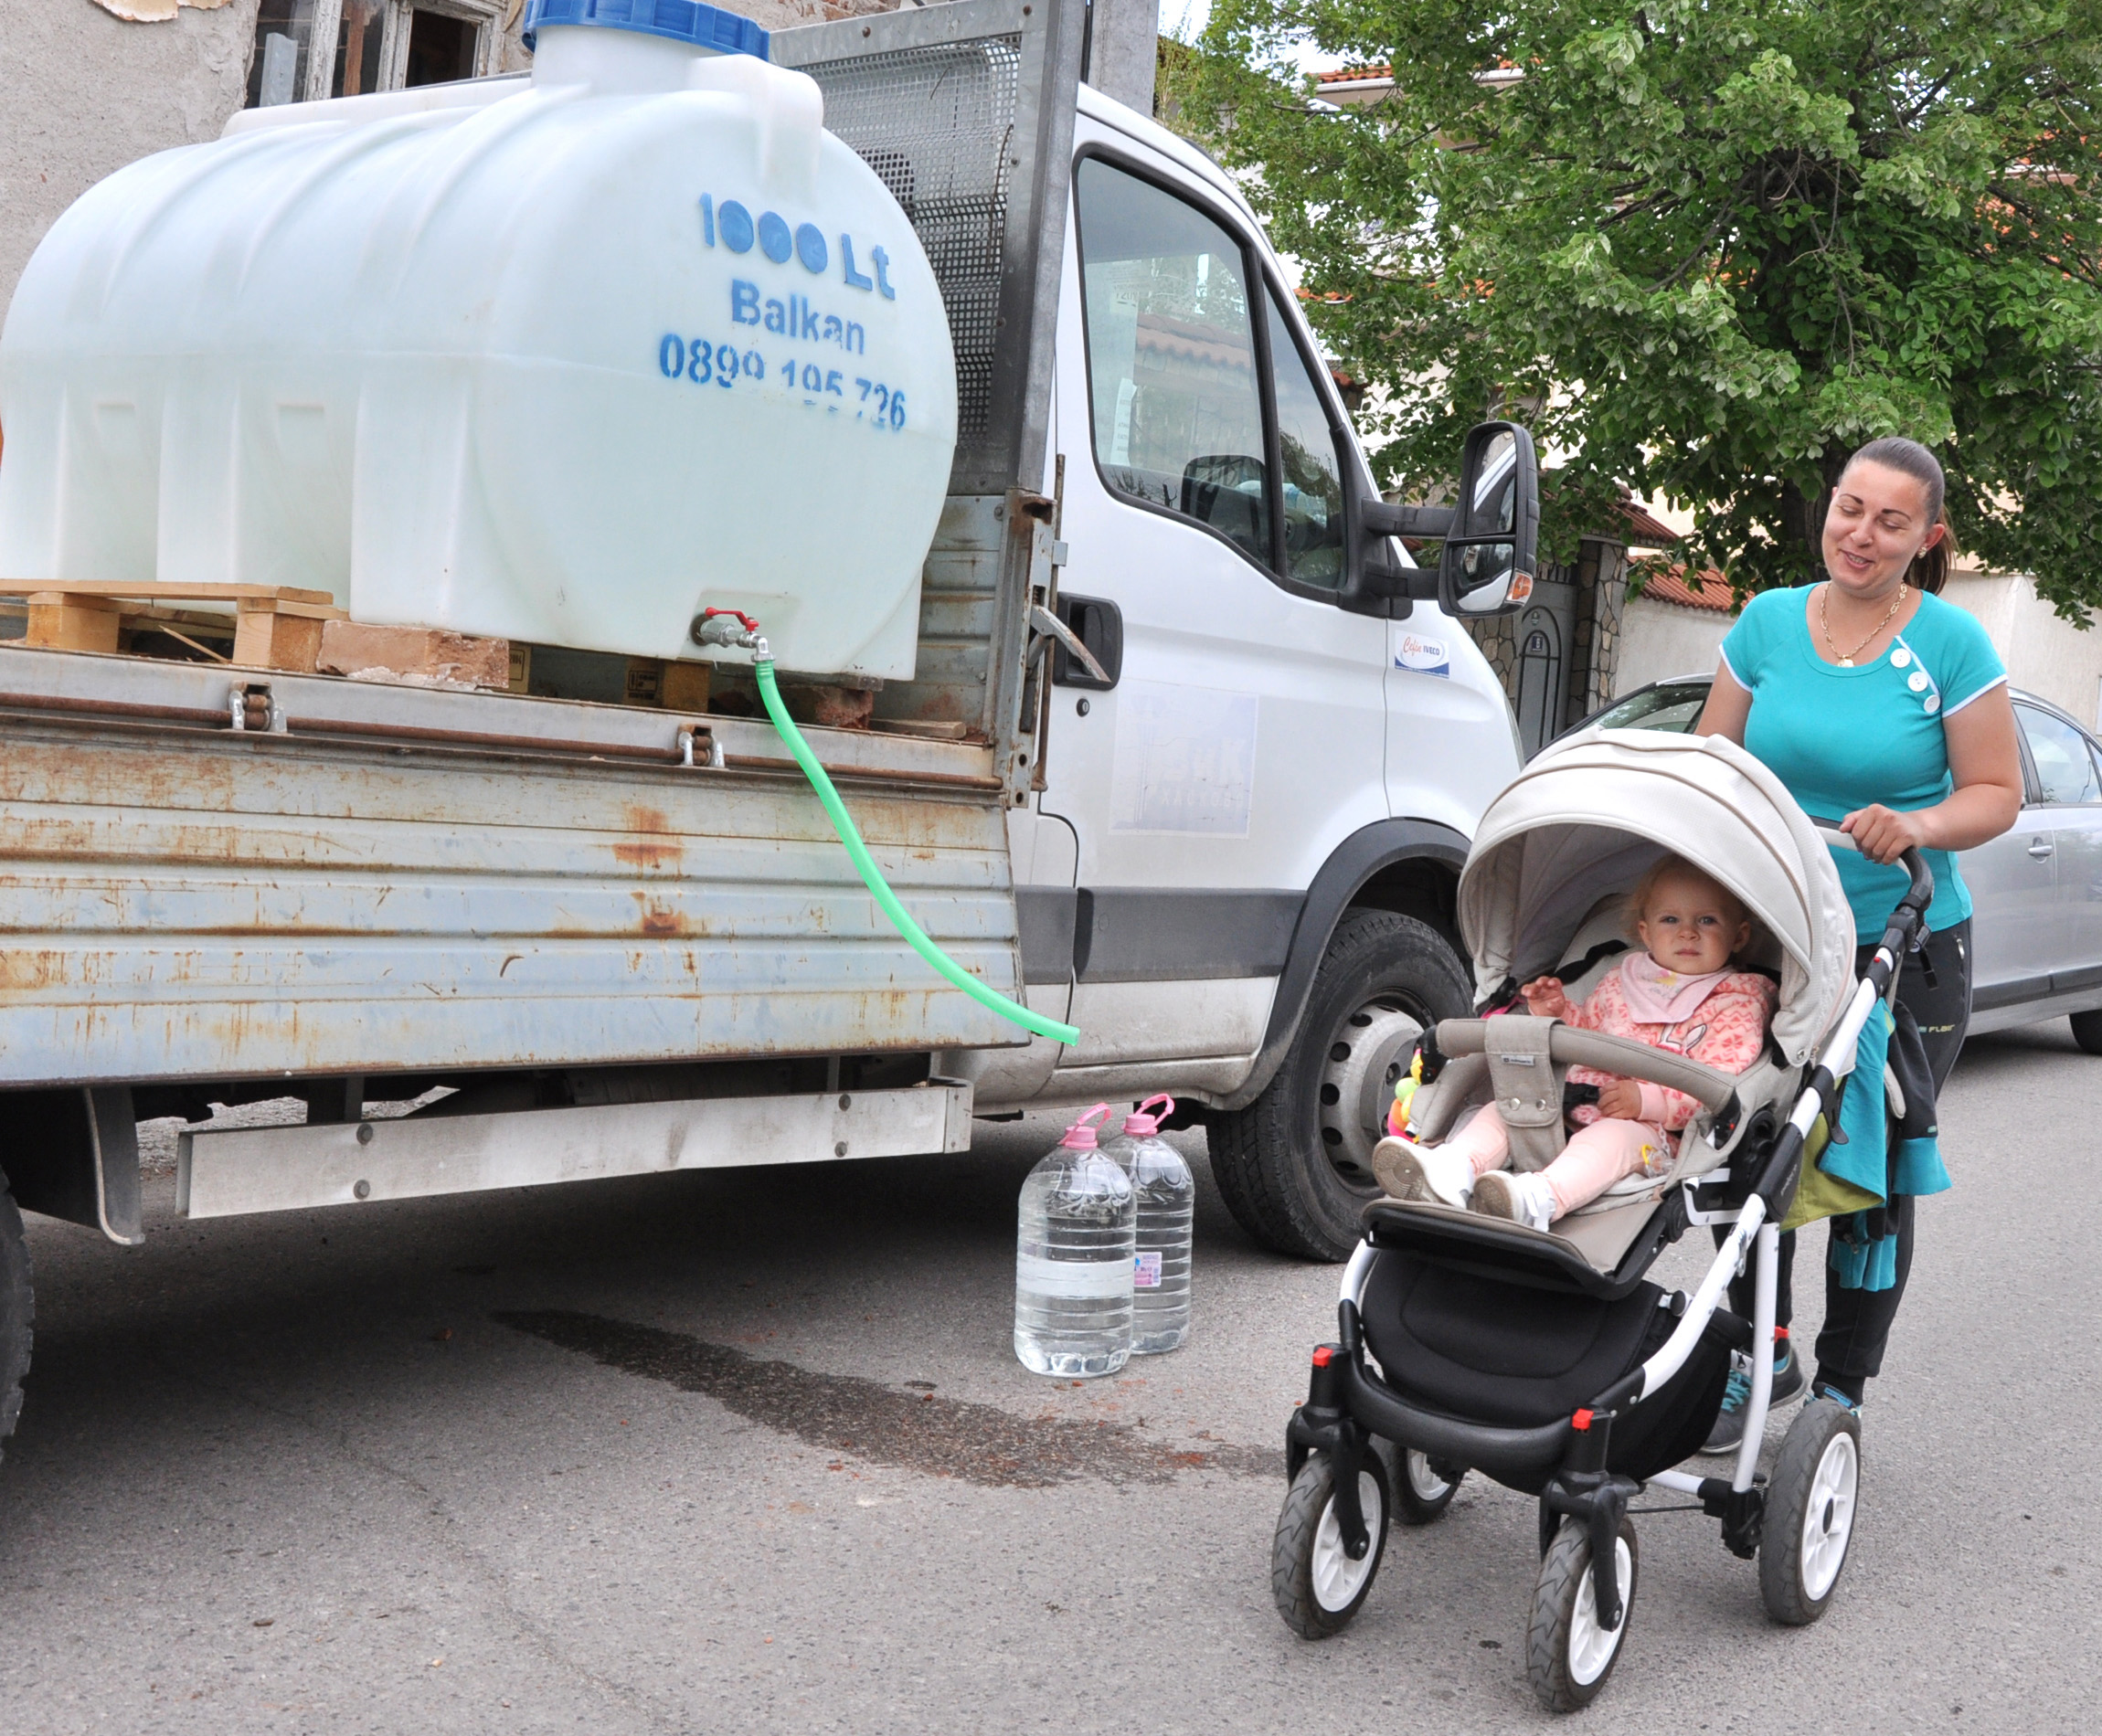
(1409,867)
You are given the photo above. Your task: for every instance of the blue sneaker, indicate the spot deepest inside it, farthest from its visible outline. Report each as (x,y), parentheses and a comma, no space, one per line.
(1833,1395)
(1728,1433)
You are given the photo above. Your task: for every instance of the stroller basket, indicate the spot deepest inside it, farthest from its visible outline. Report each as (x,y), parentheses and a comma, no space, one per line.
(1474,1369)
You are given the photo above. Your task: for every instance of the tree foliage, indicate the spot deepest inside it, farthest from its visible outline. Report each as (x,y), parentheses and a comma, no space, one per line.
(1712,245)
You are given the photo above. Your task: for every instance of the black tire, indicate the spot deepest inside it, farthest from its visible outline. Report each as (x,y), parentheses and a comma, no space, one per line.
(1568,1657)
(17,1311)
(1811,1513)
(1291,1179)
(2087,1031)
(1423,1486)
(1318,1589)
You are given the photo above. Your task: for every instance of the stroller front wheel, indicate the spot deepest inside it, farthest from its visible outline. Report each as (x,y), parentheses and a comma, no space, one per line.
(1569,1653)
(1317,1586)
(1810,1517)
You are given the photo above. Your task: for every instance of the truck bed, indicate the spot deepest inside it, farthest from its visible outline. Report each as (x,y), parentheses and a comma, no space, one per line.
(404,880)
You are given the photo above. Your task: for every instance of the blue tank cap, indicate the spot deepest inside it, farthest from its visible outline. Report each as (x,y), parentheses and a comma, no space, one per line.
(704,25)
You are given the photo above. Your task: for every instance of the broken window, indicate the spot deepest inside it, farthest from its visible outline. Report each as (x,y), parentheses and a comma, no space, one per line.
(360,45)
(441,48)
(285,43)
(310,49)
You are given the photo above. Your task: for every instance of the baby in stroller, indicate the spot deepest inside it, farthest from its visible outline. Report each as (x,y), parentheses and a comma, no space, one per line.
(1680,993)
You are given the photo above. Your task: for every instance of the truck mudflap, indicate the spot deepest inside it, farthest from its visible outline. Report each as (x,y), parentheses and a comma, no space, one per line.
(348,878)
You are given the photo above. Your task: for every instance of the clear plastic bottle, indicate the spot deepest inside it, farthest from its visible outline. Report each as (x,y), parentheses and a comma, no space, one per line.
(1072,1258)
(1166,1195)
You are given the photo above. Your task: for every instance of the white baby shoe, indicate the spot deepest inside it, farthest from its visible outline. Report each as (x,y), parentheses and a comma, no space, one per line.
(1411,1171)
(1524,1199)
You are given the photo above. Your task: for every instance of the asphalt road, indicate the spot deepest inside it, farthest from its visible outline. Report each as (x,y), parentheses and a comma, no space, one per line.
(749,1450)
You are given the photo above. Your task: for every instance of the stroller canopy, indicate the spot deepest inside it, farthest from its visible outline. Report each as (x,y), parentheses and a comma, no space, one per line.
(1584,821)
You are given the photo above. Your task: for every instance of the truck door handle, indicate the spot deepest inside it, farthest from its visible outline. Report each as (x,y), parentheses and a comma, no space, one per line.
(2039,848)
(1052,627)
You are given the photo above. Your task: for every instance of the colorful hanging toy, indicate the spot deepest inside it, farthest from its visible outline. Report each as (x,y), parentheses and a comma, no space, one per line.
(1405,1092)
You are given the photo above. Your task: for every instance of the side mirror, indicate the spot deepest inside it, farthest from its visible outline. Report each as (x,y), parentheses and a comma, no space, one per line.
(1490,552)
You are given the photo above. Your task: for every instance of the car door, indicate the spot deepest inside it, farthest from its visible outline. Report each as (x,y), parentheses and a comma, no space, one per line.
(1244,735)
(2072,792)
(2013,886)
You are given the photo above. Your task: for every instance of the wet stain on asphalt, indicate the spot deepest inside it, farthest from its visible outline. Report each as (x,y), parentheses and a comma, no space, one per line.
(884,1424)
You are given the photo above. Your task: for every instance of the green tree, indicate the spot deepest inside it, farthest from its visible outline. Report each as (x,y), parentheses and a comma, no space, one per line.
(1711,246)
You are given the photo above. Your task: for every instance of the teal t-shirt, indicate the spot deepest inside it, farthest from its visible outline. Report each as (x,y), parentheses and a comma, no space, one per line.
(1843,738)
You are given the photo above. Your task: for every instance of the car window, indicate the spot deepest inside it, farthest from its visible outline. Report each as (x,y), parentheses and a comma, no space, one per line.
(2064,766)
(1675,706)
(1312,472)
(1171,373)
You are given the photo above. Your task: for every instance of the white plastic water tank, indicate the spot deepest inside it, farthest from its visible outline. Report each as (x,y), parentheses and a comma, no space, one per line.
(564,360)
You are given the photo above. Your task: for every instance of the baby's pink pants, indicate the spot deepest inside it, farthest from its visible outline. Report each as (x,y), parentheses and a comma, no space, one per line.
(1597,1157)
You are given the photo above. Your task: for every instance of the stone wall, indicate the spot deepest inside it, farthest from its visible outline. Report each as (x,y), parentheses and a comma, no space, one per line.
(1497,635)
(1601,579)
(1591,660)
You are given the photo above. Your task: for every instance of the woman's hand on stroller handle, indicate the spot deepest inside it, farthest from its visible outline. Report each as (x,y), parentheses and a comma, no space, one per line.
(1884,834)
(1836,833)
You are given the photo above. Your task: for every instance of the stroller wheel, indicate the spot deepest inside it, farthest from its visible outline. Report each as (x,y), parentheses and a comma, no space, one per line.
(1810,1514)
(1423,1486)
(1569,1653)
(1317,1587)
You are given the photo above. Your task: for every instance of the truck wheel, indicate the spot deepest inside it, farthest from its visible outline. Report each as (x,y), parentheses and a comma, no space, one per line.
(17,1310)
(1295,1166)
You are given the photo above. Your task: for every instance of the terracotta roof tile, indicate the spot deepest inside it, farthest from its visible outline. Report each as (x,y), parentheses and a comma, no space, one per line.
(1644,531)
(1670,585)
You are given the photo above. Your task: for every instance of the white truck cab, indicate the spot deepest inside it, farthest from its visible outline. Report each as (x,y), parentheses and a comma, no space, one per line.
(1266,761)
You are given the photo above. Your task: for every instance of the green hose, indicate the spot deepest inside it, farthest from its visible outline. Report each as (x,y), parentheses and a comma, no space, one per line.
(872,876)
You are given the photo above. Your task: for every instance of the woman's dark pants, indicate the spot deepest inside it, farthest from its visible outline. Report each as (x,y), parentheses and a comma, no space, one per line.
(1857,1322)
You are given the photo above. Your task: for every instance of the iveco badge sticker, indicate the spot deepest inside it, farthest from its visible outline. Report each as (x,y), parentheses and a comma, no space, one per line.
(1424,656)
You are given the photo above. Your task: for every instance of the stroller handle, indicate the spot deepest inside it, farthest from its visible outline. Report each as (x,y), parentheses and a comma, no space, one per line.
(1911,860)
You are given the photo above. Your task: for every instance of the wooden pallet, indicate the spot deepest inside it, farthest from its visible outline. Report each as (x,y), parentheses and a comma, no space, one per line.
(303,631)
(275,626)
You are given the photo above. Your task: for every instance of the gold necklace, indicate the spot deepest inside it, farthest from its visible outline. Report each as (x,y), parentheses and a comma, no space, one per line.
(1824,621)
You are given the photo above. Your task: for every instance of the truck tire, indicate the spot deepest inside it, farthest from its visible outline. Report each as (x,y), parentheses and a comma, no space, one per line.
(1292,1167)
(17,1310)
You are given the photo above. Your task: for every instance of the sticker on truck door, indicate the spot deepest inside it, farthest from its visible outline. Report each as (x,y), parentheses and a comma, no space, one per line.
(1424,656)
(1185,760)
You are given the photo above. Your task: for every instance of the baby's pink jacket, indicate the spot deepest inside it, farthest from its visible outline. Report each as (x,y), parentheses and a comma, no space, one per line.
(1726,1031)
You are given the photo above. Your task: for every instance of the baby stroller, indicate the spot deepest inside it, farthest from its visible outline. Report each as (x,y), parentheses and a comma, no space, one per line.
(1546,1359)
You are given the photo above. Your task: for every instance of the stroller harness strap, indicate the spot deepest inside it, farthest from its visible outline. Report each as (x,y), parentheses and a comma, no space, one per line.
(1528,1095)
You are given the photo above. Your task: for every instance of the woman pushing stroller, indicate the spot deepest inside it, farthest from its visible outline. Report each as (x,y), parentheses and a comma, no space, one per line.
(1683,993)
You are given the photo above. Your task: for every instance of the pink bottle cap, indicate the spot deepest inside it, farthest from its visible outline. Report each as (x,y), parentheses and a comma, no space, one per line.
(1081,1135)
(1140,1125)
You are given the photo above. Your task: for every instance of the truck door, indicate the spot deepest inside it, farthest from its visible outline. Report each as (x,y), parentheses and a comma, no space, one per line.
(1243,736)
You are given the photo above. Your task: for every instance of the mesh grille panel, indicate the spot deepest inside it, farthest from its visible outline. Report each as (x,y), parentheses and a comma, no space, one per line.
(937,125)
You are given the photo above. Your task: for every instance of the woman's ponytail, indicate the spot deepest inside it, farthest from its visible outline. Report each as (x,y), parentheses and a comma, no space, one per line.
(1929,568)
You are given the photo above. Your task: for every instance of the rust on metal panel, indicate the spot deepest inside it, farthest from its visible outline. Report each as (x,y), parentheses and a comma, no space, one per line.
(654,848)
(179,904)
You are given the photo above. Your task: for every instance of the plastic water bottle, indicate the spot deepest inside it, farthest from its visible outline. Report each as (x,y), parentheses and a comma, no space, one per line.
(1166,1195)
(1072,1258)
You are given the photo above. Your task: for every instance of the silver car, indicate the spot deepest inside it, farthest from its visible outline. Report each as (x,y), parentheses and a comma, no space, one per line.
(2036,929)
